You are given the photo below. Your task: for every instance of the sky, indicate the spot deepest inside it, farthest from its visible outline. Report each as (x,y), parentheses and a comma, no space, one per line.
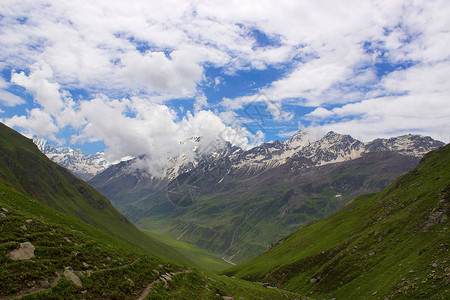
(139,77)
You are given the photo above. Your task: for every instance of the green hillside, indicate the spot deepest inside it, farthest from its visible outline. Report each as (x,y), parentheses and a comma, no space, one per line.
(29,171)
(393,244)
(105,267)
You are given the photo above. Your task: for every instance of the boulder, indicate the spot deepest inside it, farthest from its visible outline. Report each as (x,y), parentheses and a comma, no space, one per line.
(68,273)
(25,251)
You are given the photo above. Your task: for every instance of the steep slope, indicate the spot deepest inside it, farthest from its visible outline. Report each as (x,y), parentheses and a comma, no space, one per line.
(24,168)
(240,202)
(82,165)
(393,244)
(69,259)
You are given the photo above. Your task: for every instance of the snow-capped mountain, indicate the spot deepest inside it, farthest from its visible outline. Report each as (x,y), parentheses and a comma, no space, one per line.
(221,159)
(332,148)
(82,165)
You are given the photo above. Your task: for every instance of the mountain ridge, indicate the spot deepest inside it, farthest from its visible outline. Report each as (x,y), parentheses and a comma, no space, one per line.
(236,205)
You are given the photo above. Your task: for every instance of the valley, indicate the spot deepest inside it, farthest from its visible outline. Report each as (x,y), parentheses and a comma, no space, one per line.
(247,200)
(61,238)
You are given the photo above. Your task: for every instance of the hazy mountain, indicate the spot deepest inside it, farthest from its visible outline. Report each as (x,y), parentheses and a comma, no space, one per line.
(393,244)
(237,202)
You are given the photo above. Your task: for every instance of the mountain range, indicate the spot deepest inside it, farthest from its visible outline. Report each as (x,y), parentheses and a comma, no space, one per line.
(60,238)
(236,202)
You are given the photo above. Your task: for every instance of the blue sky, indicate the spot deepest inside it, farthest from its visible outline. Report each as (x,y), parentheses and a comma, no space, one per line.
(143,76)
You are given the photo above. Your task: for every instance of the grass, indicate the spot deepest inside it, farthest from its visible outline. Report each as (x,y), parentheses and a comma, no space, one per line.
(203,259)
(109,268)
(393,244)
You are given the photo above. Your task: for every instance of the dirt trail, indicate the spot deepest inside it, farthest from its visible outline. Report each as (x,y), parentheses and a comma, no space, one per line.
(161,278)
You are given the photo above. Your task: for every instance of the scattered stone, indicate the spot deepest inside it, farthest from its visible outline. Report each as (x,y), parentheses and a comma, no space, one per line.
(433,286)
(165,283)
(88,273)
(156,271)
(2,216)
(374,293)
(5,209)
(160,266)
(371,253)
(86,265)
(67,240)
(84,292)
(23,227)
(227,298)
(313,280)
(29,221)
(411,271)
(25,251)
(68,273)
(167,277)
(108,258)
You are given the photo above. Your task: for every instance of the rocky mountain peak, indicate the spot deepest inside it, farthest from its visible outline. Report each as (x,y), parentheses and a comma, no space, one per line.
(299,139)
(82,165)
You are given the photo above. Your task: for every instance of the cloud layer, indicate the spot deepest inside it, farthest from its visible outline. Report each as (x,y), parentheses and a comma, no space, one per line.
(366,68)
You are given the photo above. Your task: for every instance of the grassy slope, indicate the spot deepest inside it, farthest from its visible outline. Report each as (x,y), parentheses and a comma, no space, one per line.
(29,171)
(204,260)
(114,270)
(392,244)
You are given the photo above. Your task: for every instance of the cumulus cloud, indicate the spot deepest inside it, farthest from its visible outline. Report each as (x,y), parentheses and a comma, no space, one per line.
(37,122)
(131,57)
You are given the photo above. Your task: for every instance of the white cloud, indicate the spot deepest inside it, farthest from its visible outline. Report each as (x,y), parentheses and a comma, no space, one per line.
(45,93)
(160,50)
(7,98)
(37,122)
(390,116)
(200,102)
